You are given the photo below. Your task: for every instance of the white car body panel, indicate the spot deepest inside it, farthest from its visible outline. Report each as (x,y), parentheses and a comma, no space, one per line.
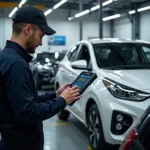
(137,78)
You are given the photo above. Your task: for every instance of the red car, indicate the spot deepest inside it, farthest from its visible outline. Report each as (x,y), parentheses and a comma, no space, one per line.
(139,137)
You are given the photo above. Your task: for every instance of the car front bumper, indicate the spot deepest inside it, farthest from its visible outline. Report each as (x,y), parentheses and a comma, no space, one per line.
(129,108)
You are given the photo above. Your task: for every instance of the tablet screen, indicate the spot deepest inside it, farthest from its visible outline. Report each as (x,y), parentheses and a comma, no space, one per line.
(81,81)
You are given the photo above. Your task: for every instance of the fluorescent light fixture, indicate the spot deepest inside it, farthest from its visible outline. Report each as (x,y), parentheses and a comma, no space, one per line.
(91,9)
(143,9)
(59,4)
(13,11)
(70,18)
(82,13)
(132,12)
(21,3)
(95,8)
(107,2)
(111,17)
(47,12)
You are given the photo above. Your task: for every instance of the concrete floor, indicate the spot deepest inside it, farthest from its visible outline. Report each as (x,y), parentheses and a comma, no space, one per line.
(68,135)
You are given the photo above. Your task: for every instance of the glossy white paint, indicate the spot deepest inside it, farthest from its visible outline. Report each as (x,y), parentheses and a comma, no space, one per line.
(137,78)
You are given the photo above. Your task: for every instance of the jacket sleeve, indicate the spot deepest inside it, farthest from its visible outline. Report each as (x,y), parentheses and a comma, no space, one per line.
(46,96)
(21,98)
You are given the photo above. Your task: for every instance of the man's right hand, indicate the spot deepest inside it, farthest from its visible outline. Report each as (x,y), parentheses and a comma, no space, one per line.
(71,94)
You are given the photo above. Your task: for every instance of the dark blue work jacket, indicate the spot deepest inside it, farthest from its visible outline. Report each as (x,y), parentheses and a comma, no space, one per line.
(21,109)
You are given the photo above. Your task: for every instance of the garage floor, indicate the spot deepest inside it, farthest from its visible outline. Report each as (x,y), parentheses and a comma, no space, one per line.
(70,135)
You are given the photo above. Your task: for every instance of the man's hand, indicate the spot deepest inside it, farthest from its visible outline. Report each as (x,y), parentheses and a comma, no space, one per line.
(61,89)
(71,94)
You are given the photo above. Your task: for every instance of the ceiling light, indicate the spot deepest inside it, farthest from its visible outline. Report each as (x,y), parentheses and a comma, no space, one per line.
(21,3)
(95,8)
(107,2)
(59,4)
(143,9)
(13,11)
(47,12)
(132,12)
(82,13)
(111,17)
(70,18)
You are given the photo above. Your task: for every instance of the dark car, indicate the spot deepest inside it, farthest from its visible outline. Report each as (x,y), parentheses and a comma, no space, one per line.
(44,67)
(139,137)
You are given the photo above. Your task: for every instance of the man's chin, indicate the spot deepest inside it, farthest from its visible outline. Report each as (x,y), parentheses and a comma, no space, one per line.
(31,51)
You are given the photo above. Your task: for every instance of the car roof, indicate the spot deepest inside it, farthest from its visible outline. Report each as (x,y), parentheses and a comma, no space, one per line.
(113,40)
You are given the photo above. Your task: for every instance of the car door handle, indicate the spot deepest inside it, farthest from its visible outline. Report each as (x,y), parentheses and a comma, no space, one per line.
(72,76)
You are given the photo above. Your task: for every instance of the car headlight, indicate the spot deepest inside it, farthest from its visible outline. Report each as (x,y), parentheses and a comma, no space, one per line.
(124,92)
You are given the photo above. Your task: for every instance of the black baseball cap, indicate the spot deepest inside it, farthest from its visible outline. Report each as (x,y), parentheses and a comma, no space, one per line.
(33,15)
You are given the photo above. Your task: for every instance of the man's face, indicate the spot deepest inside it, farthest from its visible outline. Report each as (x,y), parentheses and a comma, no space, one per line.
(34,40)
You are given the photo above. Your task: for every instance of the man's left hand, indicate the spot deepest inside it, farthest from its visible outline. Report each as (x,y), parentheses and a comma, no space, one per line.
(61,89)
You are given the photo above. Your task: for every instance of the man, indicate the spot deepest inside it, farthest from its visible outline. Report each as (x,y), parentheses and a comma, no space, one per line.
(21,109)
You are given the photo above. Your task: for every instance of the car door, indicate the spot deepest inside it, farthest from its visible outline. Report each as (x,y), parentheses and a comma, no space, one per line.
(83,54)
(67,72)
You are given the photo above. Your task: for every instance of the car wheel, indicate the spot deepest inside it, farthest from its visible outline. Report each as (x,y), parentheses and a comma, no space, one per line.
(96,136)
(63,115)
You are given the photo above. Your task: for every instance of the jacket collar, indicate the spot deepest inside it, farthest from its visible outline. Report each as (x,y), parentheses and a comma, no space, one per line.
(22,52)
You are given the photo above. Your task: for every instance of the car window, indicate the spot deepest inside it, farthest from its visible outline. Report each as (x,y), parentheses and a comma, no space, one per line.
(72,55)
(147,52)
(119,54)
(85,55)
(145,137)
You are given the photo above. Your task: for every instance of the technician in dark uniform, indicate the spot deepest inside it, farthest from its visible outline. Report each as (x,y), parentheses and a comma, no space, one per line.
(21,109)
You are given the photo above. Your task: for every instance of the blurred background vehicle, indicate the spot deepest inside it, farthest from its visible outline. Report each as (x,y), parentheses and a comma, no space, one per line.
(139,137)
(44,66)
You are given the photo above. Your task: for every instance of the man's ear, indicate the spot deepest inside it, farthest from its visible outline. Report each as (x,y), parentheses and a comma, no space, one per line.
(28,29)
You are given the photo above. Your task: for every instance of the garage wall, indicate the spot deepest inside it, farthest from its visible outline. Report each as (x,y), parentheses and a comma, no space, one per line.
(145,25)
(58,21)
(122,28)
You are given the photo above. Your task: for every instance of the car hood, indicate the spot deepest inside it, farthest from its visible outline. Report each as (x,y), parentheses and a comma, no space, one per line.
(138,79)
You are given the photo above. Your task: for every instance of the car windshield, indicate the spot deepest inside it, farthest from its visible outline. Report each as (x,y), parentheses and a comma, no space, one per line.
(49,57)
(122,55)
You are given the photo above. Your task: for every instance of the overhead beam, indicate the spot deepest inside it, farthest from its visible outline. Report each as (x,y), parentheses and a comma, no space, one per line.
(8,4)
(14,4)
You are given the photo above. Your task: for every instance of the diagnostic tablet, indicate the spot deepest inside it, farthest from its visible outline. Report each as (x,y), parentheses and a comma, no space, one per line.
(84,80)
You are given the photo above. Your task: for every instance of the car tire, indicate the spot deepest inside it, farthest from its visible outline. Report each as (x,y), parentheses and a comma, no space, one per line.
(96,135)
(63,115)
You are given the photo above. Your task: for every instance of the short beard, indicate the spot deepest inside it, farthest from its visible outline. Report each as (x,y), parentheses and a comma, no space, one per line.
(30,49)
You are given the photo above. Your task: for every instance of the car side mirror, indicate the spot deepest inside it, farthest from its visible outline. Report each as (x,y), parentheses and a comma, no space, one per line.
(80,64)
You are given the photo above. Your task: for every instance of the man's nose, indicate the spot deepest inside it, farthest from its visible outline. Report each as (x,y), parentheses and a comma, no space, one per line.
(40,43)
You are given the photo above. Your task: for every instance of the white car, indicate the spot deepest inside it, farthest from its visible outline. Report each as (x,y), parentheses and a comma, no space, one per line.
(116,100)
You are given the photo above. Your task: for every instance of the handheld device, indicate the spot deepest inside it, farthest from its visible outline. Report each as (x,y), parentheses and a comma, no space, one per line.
(83,81)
